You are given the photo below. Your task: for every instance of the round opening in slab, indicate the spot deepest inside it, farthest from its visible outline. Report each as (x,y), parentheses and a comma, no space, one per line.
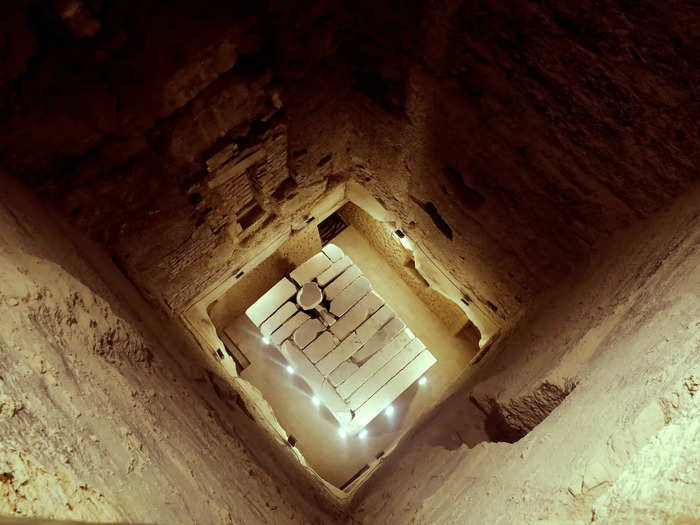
(309,296)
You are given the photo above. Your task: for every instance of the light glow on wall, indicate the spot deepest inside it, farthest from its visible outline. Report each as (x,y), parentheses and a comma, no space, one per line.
(403,239)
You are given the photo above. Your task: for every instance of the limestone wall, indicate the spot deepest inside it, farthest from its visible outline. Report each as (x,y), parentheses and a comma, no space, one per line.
(506,139)
(100,422)
(585,412)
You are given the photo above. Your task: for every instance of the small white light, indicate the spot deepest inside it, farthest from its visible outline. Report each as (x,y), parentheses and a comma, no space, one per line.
(362,434)
(266,340)
(290,369)
(409,333)
(423,380)
(316,401)
(389,410)
(406,243)
(342,433)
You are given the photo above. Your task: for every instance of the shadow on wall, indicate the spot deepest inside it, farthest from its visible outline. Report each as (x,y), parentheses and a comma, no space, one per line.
(510,138)
(382,237)
(500,157)
(483,418)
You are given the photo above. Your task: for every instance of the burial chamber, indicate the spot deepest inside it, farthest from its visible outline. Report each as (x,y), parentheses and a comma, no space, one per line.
(320,262)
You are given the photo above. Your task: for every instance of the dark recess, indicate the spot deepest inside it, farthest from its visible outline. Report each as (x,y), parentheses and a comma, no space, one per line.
(194,198)
(354,477)
(325,160)
(256,62)
(330,227)
(286,189)
(251,216)
(432,211)
(467,197)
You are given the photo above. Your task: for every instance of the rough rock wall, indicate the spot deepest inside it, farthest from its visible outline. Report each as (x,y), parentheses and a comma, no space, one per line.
(98,422)
(401,261)
(617,448)
(516,135)
(162,135)
(508,137)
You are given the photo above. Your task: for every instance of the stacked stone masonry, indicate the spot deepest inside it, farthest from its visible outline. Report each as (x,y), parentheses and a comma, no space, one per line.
(351,349)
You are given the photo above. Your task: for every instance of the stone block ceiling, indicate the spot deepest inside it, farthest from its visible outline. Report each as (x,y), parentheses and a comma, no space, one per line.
(338,334)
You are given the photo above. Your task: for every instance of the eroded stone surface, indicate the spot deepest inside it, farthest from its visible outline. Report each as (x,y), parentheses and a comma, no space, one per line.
(135,401)
(208,158)
(143,147)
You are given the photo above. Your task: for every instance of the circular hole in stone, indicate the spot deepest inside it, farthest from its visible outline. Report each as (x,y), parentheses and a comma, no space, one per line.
(309,296)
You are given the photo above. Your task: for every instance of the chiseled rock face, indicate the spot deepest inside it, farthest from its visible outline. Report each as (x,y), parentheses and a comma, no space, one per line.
(100,423)
(507,138)
(616,449)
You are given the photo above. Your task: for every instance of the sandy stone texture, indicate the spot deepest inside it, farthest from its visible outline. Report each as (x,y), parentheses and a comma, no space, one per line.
(99,422)
(586,411)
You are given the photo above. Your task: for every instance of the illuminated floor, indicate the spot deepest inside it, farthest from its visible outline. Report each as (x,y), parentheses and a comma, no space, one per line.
(338,459)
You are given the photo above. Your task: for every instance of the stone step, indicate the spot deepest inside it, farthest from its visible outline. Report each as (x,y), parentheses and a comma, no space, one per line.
(340,374)
(321,347)
(320,387)
(350,296)
(334,270)
(333,252)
